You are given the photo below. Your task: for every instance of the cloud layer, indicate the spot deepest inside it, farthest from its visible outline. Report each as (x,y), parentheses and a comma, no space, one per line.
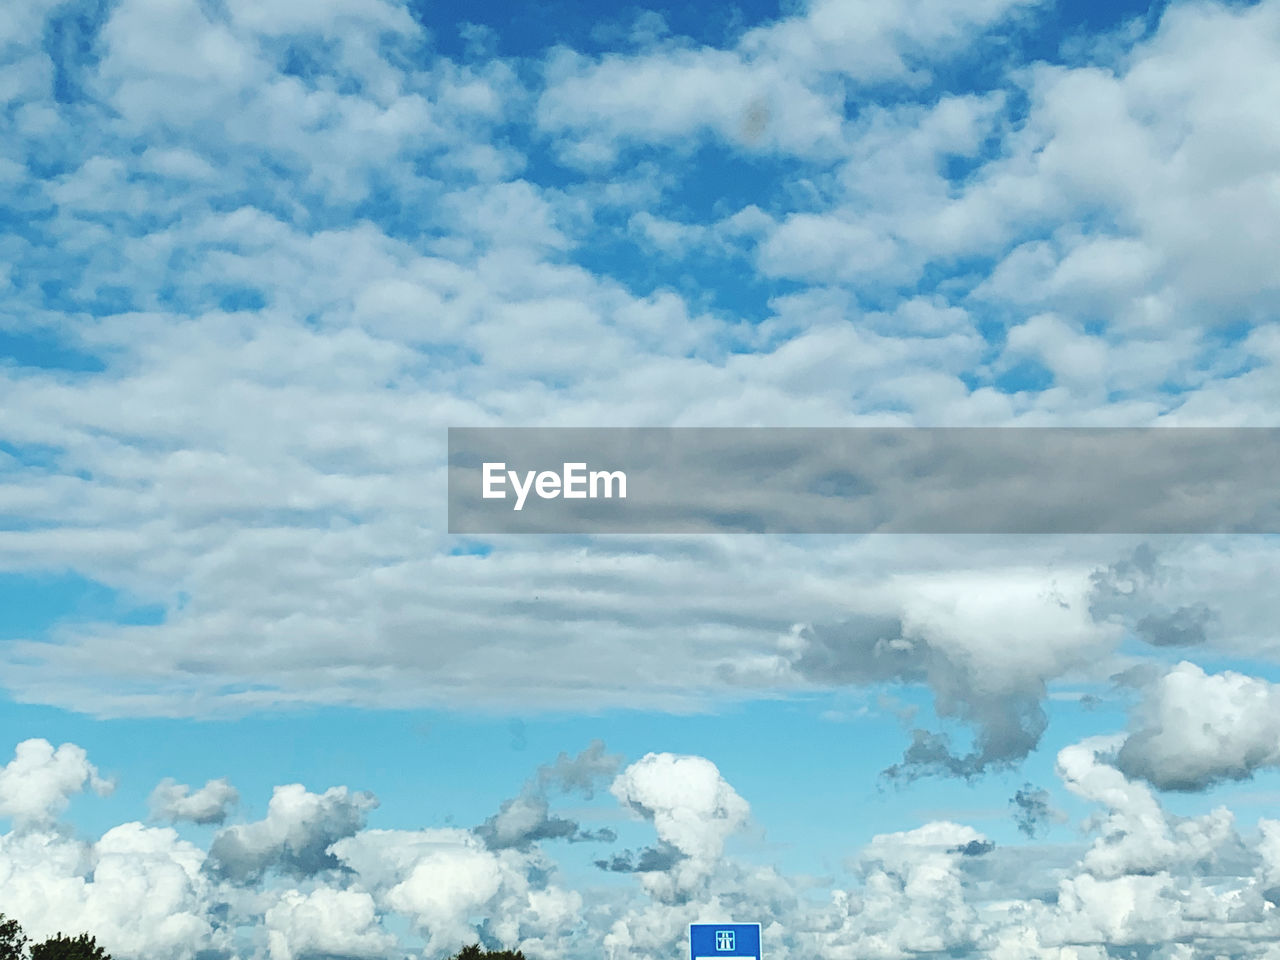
(255,282)
(319,883)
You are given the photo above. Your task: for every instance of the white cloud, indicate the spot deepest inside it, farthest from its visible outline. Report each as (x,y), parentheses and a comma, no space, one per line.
(38,783)
(325,922)
(1195,729)
(1136,837)
(294,837)
(175,801)
(445,881)
(1149,878)
(912,899)
(332,18)
(446,888)
(219,445)
(964,635)
(139,889)
(781,88)
(693,810)
(676,93)
(1143,139)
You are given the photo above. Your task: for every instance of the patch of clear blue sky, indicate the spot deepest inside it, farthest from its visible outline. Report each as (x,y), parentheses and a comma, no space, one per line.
(25,455)
(45,349)
(523,30)
(35,602)
(592,27)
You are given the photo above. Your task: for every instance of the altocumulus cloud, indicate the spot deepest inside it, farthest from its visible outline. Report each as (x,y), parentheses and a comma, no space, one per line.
(217,214)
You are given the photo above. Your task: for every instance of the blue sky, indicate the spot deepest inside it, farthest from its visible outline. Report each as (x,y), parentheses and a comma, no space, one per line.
(259,256)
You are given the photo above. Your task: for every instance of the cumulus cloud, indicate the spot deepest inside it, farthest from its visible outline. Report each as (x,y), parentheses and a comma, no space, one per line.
(1137,837)
(325,922)
(38,783)
(294,837)
(1145,879)
(779,88)
(1269,855)
(173,801)
(305,881)
(693,811)
(444,881)
(1194,729)
(912,898)
(140,890)
(958,634)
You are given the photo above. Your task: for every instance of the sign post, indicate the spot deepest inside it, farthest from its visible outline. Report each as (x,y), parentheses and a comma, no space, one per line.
(724,941)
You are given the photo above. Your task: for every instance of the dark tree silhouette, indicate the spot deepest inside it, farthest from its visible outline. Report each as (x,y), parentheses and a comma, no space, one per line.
(58,947)
(13,941)
(474,952)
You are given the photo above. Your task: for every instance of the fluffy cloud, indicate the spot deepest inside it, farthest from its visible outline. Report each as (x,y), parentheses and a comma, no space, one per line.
(1147,879)
(325,922)
(693,811)
(293,838)
(141,890)
(38,783)
(779,88)
(1163,110)
(1195,729)
(1137,837)
(173,801)
(912,899)
(445,880)
(963,635)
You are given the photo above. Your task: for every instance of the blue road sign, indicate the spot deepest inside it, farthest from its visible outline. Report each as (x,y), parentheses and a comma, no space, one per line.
(724,941)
